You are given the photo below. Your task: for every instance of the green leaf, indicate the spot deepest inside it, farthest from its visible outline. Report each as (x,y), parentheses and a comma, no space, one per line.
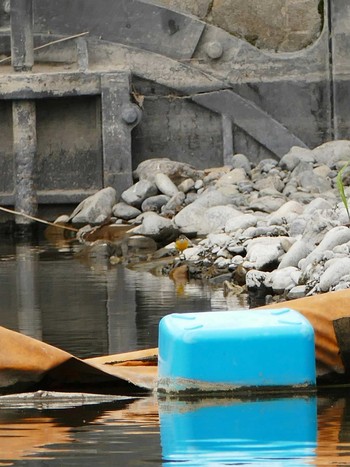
(340,186)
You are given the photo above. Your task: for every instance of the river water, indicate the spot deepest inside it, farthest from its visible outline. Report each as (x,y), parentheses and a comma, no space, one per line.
(88,307)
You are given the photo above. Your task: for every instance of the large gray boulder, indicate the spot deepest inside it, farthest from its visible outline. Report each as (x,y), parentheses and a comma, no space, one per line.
(95,209)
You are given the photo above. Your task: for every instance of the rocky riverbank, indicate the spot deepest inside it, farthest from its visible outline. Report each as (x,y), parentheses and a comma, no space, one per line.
(278,228)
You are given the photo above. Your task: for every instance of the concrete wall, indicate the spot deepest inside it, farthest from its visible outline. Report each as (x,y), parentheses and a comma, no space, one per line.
(278,25)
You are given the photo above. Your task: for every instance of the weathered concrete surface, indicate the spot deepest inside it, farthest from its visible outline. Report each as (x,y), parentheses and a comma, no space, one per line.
(278,25)
(22,35)
(24,148)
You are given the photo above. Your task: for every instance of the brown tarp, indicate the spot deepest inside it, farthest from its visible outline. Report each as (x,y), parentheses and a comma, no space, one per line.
(26,363)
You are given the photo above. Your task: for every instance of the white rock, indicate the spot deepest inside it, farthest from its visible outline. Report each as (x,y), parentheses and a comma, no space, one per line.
(165,185)
(242,221)
(339,268)
(255,279)
(96,208)
(155,226)
(138,192)
(261,254)
(283,279)
(299,250)
(299,291)
(193,253)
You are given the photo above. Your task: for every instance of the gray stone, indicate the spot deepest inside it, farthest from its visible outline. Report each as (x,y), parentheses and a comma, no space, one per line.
(267,204)
(124,211)
(240,161)
(294,156)
(203,220)
(286,213)
(174,204)
(299,250)
(186,185)
(165,185)
(284,279)
(271,181)
(313,183)
(233,177)
(299,291)
(263,251)
(336,270)
(332,152)
(254,279)
(95,209)
(156,227)
(137,193)
(334,237)
(154,203)
(318,204)
(238,222)
(176,171)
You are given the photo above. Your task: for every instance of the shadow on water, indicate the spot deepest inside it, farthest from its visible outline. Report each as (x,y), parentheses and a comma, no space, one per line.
(92,308)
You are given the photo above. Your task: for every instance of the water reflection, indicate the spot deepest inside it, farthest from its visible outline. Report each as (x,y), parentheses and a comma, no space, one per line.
(85,305)
(238,431)
(210,432)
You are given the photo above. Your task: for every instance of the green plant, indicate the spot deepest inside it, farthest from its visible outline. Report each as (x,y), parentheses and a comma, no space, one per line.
(340,186)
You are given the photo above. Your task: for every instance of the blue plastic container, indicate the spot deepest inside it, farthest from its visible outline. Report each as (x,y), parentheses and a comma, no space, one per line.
(223,351)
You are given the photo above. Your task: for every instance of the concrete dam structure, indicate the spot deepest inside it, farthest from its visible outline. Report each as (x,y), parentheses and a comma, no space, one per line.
(90,89)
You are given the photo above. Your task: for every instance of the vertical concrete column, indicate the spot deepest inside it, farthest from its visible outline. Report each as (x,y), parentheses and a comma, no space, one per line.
(227,139)
(339,24)
(22,48)
(119,116)
(24,149)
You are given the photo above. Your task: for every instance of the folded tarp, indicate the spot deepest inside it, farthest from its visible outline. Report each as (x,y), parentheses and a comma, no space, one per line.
(27,364)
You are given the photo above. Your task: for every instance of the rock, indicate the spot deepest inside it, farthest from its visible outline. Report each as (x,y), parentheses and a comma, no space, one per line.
(125,211)
(267,204)
(331,152)
(137,193)
(282,280)
(165,185)
(334,237)
(299,250)
(240,161)
(174,204)
(157,227)
(233,177)
(313,183)
(193,253)
(238,222)
(154,203)
(317,204)
(255,279)
(216,239)
(290,160)
(176,171)
(186,185)
(337,268)
(95,209)
(299,291)
(263,252)
(286,213)
(272,181)
(196,217)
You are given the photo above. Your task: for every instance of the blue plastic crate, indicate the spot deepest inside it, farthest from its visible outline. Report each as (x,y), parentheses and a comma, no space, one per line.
(219,351)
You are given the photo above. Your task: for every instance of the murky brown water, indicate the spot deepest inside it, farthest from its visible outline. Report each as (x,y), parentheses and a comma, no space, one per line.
(89,308)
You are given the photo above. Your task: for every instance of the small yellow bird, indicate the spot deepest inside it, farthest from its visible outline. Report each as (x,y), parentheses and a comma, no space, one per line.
(181,243)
